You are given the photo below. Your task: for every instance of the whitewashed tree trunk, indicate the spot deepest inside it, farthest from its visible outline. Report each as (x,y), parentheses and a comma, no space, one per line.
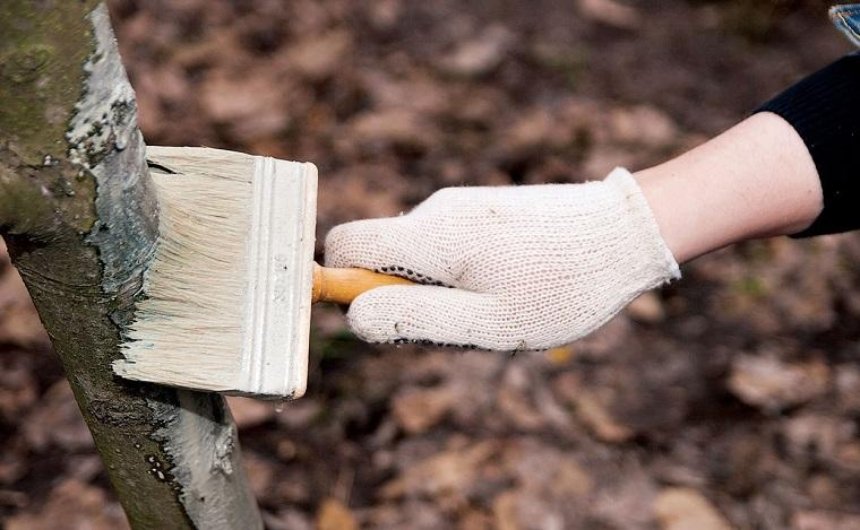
(78,213)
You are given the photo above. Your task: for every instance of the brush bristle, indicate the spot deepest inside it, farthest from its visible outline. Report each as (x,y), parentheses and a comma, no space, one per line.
(219,282)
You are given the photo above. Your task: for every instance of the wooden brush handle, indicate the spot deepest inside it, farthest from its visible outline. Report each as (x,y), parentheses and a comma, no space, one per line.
(341,286)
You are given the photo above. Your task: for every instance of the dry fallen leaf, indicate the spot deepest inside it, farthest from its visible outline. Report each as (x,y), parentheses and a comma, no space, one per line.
(480,55)
(452,471)
(249,412)
(647,307)
(319,56)
(388,128)
(260,472)
(687,509)
(417,410)
(594,414)
(19,321)
(643,125)
(609,12)
(56,420)
(824,520)
(505,511)
(334,515)
(72,505)
(772,384)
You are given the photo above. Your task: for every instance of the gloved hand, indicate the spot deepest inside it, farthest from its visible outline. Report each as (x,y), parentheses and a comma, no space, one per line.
(506,268)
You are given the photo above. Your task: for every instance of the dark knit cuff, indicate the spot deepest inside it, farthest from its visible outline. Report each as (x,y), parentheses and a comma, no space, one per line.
(824,108)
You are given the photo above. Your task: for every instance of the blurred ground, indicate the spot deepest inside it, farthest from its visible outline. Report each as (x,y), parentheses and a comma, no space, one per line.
(730,399)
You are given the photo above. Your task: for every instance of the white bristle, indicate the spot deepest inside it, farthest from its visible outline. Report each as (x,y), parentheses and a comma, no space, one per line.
(228,293)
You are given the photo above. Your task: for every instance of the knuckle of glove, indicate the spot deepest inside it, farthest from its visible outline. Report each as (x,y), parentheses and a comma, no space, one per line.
(442,202)
(365,243)
(337,245)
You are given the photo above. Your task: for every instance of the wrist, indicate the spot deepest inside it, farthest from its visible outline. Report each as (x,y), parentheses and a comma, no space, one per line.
(755,180)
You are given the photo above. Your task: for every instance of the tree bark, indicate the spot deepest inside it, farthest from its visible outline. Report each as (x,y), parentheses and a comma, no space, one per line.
(79,216)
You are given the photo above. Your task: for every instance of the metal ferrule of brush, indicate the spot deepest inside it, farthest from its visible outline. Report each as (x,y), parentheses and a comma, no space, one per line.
(280,252)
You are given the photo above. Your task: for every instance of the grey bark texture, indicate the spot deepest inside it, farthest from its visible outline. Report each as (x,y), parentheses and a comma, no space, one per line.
(79,216)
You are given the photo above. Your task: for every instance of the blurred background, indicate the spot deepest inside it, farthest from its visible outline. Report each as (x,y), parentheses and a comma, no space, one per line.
(728,400)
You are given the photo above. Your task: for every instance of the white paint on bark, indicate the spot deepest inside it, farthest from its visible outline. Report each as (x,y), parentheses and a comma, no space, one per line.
(196,432)
(205,455)
(105,116)
(106,142)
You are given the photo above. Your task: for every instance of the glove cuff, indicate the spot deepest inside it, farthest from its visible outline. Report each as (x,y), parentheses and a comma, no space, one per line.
(642,217)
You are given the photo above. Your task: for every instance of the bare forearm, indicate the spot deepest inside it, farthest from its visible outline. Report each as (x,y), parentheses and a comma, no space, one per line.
(790,168)
(755,180)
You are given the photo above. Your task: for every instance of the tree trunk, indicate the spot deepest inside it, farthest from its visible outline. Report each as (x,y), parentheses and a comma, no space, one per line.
(79,217)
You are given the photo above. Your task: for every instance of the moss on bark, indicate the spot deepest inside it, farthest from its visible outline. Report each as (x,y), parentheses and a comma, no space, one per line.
(42,48)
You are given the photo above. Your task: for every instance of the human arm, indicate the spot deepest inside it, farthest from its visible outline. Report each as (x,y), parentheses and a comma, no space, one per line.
(755,180)
(537,266)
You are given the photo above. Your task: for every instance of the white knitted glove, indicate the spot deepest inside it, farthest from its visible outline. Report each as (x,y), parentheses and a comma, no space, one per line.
(530,267)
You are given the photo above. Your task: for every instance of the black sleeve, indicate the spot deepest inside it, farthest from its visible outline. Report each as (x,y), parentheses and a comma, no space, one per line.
(824,108)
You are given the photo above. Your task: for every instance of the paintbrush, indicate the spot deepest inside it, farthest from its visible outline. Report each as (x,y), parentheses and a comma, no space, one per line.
(226,300)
